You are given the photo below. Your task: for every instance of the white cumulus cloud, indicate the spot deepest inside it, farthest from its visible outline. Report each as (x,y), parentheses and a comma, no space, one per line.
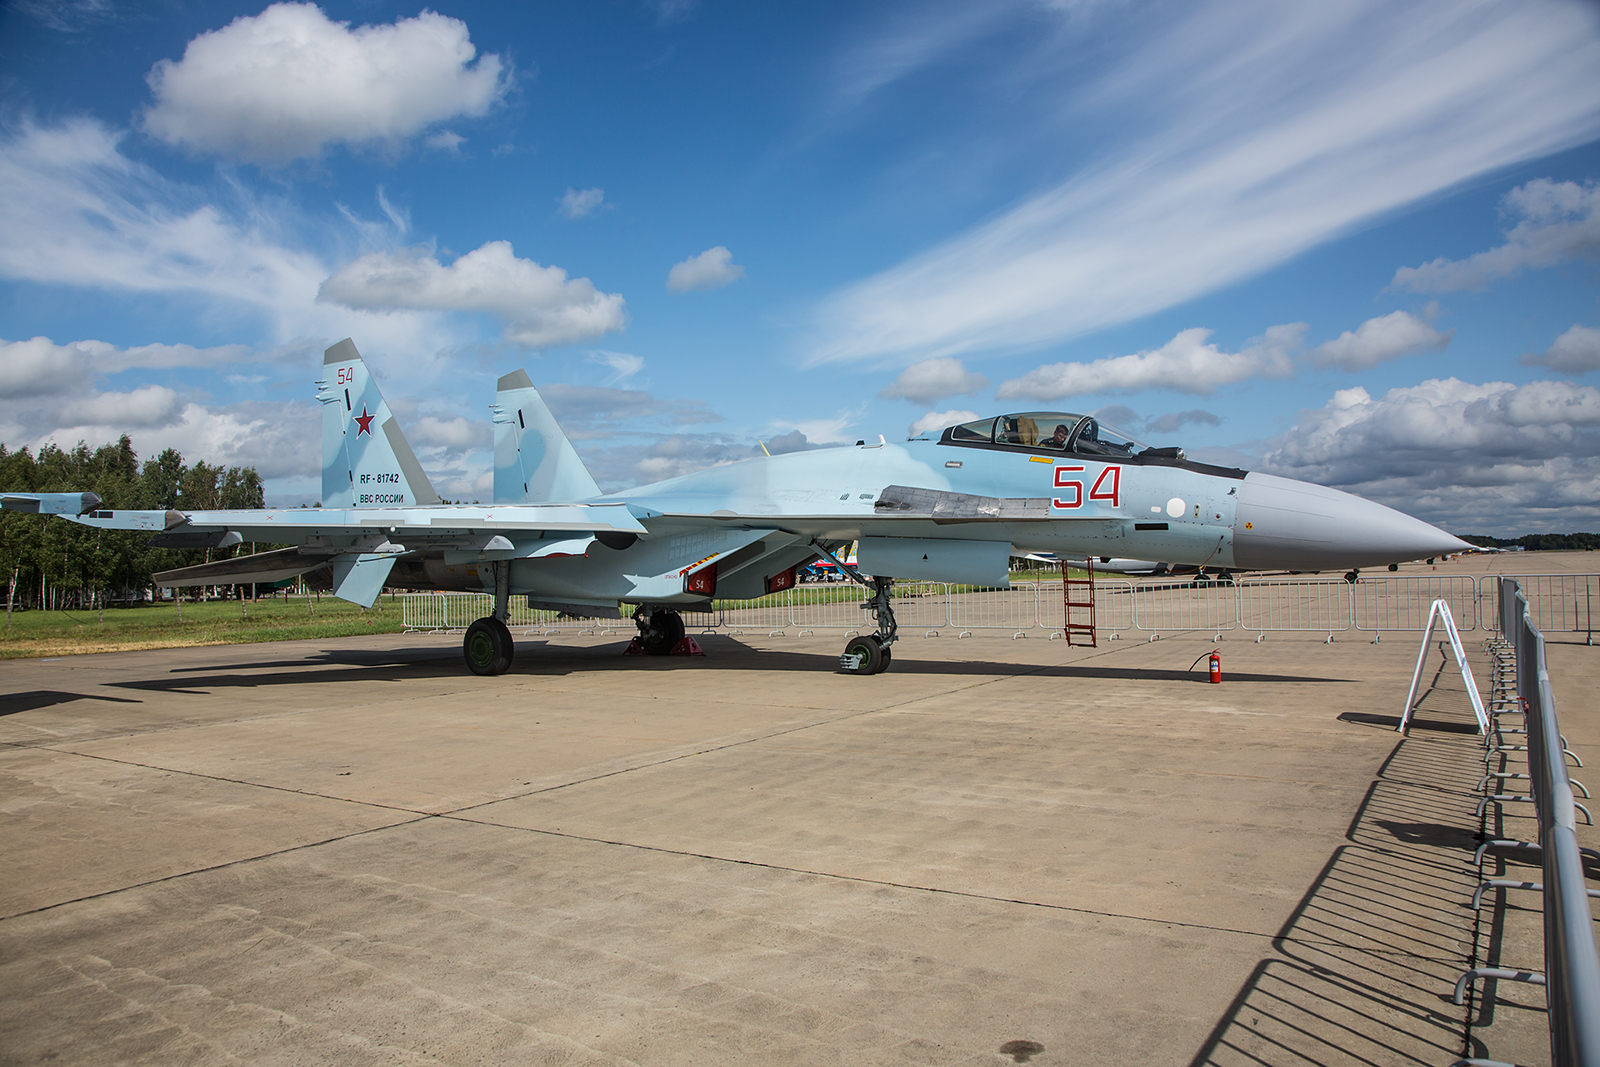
(711,269)
(1575,352)
(458,434)
(1378,341)
(541,306)
(148,405)
(280,440)
(576,203)
(40,367)
(1185,364)
(931,380)
(288,82)
(1559,221)
(1490,457)
(935,421)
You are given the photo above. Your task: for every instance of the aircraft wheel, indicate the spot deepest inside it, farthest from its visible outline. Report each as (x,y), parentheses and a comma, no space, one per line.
(886,650)
(863,655)
(1394,566)
(488,647)
(1351,577)
(662,634)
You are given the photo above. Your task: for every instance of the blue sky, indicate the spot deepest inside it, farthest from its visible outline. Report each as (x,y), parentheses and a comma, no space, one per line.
(1354,243)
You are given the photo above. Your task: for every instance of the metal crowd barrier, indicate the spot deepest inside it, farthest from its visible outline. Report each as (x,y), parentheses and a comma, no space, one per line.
(1571,977)
(1376,605)
(1403,603)
(1557,603)
(1174,604)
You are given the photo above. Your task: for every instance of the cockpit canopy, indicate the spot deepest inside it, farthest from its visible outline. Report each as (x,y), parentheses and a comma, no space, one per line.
(1053,431)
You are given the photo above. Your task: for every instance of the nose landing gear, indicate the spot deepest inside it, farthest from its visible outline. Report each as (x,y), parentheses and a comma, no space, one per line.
(869,653)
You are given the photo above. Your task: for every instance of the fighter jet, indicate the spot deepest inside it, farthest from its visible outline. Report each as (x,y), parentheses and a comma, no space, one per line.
(952,508)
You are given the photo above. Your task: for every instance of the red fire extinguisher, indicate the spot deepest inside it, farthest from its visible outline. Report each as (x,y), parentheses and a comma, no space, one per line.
(1216,667)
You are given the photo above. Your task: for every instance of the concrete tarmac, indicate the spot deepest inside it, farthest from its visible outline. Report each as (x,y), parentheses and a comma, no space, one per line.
(353,852)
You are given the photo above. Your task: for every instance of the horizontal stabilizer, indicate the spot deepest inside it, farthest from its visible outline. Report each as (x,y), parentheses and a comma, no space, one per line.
(50,503)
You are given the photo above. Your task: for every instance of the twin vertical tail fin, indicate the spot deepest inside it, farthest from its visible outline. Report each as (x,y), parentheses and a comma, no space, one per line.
(533,460)
(366,460)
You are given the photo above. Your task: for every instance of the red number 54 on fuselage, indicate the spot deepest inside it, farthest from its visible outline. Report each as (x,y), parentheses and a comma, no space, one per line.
(1101,490)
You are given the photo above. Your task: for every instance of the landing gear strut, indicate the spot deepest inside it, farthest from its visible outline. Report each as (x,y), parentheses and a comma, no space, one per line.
(659,631)
(869,653)
(488,646)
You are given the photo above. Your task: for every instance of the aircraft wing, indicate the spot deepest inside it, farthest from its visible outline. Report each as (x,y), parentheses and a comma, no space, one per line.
(359,545)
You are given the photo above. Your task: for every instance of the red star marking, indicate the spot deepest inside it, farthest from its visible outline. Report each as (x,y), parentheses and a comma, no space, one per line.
(366,422)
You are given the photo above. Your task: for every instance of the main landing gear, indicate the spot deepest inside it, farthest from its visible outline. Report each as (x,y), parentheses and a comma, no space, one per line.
(488,646)
(659,631)
(869,653)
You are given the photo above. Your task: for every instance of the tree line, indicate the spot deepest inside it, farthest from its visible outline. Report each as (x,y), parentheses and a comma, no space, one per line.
(1545,542)
(54,563)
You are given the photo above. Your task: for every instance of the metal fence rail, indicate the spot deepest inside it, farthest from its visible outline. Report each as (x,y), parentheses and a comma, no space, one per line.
(1572,964)
(1305,604)
(1388,604)
(1113,605)
(1398,603)
(1557,603)
(1185,605)
(1015,610)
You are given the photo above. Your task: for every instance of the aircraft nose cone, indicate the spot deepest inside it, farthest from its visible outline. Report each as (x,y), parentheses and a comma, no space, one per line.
(1282,524)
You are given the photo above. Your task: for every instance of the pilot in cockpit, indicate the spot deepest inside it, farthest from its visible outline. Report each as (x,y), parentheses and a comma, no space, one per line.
(1057,439)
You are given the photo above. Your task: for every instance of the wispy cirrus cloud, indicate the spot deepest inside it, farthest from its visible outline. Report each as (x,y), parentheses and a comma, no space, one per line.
(1265,129)
(80,213)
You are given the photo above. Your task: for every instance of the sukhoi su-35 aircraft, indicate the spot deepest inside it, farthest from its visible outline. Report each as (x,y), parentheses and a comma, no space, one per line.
(950,509)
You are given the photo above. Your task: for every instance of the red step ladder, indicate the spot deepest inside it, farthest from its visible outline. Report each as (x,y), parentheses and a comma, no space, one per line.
(1080,625)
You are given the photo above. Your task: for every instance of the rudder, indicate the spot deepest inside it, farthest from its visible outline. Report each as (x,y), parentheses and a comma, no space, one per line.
(366,460)
(533,460)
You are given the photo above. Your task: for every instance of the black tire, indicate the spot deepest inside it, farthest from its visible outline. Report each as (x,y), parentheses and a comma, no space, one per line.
(886,650)
(867,652)
(1394,566)
(1351,577)
(487,647)
(662,633)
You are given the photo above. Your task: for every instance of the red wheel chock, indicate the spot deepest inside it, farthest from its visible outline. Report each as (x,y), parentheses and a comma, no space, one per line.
(686,646)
